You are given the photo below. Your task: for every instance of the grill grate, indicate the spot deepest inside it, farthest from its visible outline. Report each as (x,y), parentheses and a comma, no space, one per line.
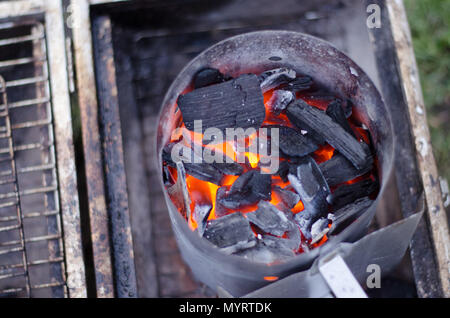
(31,247)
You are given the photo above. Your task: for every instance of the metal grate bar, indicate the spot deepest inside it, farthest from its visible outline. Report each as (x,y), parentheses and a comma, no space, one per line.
(29,102)
(28,215)
(19,226)
(33,240)
(26,81)
(21,61)
(21,39)
(38,196)
(30,169)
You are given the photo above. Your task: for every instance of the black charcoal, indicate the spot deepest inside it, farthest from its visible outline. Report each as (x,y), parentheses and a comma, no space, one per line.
(303,115)
(289,198)
(348,108)
(294,144)
(300,84)
(336,112)
(348,193)
(280,100)
(338,169)
(208,76)
(274,78)
(349,213)
(204,171)
(200,216)
(196,167)
(233,168)
(248,189)
(269,219)
(230,233)
(233,104)
(283,170)
(253,182)
(310,184)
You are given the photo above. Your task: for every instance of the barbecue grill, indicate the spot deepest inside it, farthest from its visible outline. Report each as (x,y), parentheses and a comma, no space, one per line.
(112,62)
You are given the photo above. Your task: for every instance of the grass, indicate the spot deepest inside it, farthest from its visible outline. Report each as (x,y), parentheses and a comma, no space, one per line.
(430,27)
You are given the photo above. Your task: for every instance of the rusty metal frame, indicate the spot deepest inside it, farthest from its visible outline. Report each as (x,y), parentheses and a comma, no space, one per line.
(52,14)
(103,151)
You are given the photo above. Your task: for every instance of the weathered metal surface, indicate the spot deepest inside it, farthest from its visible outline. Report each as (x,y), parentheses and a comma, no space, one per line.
(110,127)
(68,195)
(87,94)
(141,192)
(437,218)
(13,9)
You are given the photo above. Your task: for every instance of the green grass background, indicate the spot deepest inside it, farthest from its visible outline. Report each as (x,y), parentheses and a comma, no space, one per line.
(430,27)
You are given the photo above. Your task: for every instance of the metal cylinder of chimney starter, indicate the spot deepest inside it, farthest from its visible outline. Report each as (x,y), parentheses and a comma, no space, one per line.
(254,53)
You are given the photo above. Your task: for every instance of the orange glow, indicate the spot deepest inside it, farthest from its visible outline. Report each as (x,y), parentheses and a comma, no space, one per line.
(201,192)
(362,134)
(321,242)
(276,180)
(275,198)
(298,208)
(228,180)
(253,159)
(271,278)
(324,153)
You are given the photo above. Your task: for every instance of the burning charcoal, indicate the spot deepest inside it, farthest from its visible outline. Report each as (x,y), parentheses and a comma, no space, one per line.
(248,189)
(289,198)
(280,100)
(300,84)
(236,103)
(179,192)
(348,108)
(319,229)
(233,169)
(202,171)
(269,219)
(274,78)
(346,215)
(234,201)
(348,193)
(254,183)
(310,184)
(283,170)
(294,144)
(336,112)
(230,233)
(269,250)
(208,76)
(311,118)
(200,216)
(338,170)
